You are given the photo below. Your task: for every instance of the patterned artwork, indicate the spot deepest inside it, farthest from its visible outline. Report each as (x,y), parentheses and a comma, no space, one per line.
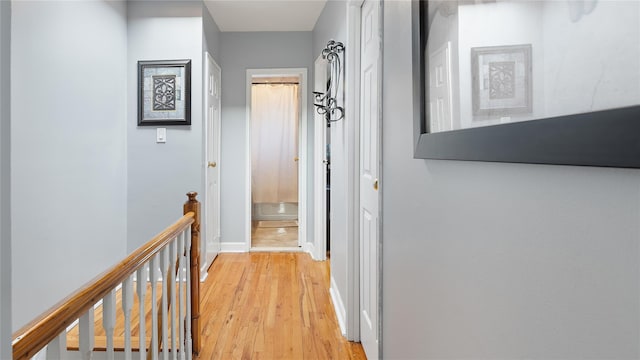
(502,80)
(164,92)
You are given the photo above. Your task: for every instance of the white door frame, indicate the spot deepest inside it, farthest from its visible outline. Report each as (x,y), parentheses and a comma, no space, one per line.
(302,150)
(352,157)
(369,176)
(318,246)
(205,258)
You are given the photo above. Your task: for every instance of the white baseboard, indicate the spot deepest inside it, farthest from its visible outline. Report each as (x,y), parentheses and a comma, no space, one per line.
(203,272)
(338,306)
(204,269)
(276,249)
(233,247)
(210,258)
(310,248)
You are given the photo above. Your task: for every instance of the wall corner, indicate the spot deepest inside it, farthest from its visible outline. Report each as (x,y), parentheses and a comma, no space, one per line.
(5,180)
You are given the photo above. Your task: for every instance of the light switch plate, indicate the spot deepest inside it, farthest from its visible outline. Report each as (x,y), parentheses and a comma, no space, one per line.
(161,135)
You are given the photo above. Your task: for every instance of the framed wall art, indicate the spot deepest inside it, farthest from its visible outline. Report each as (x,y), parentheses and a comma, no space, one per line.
(542,82)
(501,79)
(164,92)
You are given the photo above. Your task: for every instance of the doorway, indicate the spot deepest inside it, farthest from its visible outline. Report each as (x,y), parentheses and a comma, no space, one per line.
(369,174)
(321,167)
(277,144)
(213,76)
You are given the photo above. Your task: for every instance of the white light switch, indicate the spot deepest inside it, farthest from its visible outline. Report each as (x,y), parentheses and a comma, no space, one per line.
(161,135)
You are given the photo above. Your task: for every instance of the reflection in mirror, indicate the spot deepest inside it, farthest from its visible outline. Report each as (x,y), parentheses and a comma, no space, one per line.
(490,62)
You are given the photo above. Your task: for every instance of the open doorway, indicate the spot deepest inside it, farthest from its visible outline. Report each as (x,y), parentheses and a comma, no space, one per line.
(277,191)
(321,166)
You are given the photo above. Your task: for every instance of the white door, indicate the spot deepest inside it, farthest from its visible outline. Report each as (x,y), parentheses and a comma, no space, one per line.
(369,173)
(440,89)
(320,167)
(212,211)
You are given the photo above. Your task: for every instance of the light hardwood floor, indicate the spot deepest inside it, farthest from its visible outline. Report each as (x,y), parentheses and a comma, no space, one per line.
(260,306)
(271,306)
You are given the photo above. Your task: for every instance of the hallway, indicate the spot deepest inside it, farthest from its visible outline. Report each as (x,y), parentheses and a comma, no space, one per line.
(271,306)
(259,305)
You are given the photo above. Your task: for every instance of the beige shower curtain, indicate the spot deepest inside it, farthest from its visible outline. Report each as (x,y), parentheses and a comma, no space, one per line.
(274,142)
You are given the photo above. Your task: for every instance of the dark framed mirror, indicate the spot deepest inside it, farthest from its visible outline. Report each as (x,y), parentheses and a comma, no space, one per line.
(545,82)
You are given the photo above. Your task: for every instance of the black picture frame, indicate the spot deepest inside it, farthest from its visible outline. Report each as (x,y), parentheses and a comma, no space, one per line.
(607,138)
(164,92)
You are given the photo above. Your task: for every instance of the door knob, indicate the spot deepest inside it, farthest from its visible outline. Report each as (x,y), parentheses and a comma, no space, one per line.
(375,185)
(212,164)
(296,158)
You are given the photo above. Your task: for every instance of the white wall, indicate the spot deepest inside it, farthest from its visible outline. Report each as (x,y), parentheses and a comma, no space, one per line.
(242,51)
(5,178)
(485,260)
(159,175)
(68,168)
(609,76)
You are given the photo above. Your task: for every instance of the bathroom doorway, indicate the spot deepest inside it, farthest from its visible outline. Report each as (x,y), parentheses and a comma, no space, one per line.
(277,172)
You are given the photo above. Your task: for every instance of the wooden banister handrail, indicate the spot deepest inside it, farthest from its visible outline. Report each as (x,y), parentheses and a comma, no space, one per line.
(31,338)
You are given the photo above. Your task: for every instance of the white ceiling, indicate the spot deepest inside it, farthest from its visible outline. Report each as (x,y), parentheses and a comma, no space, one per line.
(265,15)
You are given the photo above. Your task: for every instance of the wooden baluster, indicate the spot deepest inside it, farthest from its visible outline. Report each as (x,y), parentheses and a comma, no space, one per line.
(57,348)
(173,267)
(127,306)
(166,278)
(109,321)
(86,329)
(193,205)
(35,336)
(188,332)
(153,268)
(141,285)
(181,282)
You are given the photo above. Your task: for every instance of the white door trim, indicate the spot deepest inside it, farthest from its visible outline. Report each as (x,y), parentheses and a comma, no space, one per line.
(302,149)
(352,118)
(205,258)
(318,246)
(369,176)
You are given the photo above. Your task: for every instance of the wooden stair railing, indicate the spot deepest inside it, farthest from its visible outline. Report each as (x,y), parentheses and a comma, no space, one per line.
(173,251)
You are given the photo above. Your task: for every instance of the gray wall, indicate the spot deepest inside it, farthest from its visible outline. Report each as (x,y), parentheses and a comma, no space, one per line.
(332,24)
(5,177)
(159,175)
(211,35)
(68,169)
(486,260)
(242,51)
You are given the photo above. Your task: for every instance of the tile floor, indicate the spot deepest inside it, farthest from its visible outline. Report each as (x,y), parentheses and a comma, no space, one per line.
(274,233)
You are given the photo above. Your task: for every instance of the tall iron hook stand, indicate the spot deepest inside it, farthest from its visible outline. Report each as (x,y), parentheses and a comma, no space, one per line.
(326,103)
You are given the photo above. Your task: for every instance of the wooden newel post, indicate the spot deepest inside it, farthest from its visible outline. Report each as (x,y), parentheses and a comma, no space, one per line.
(193,205)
